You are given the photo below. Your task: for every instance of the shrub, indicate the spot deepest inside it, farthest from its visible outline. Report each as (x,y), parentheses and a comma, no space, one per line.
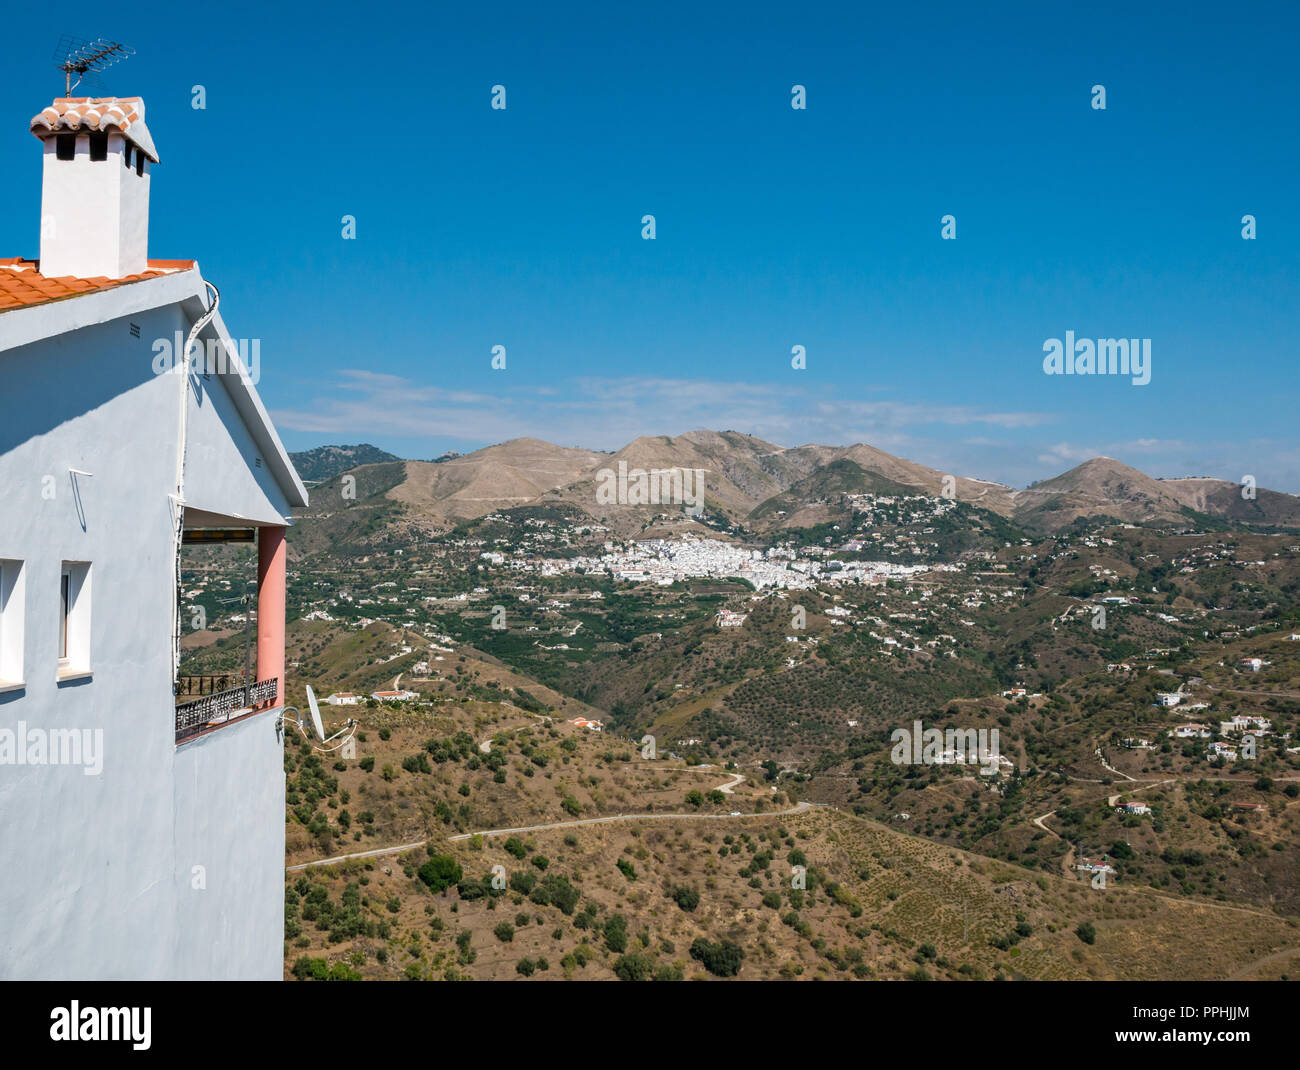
(309,969)
(417,763)
(616,934)
(440,872)
(633,967)
(721,959)
(560,892)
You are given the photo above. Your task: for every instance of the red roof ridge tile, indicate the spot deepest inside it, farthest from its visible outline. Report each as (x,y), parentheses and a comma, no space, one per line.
(124,114)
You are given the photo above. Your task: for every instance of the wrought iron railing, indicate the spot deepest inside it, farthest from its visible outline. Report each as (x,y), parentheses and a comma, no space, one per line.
(196,686)
(217,708)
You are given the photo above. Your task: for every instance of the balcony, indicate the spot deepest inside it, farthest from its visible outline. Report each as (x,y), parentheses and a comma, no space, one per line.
(217,707)
(204,703)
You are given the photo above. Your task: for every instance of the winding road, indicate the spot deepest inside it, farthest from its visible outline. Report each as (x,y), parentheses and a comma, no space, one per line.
(797,809)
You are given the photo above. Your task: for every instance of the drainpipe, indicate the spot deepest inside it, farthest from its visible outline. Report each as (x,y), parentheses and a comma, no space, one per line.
(182,372)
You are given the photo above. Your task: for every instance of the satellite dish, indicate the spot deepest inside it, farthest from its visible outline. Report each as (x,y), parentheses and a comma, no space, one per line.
(323,747)
(315,713)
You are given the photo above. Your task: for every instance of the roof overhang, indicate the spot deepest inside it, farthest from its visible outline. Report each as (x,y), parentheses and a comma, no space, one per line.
(32,323)
(242,390)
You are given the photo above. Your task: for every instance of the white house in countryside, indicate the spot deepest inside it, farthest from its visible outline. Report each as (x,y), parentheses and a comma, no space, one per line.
(141,838)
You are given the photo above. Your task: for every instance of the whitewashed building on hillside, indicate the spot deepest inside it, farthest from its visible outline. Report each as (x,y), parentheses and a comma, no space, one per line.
(141,837)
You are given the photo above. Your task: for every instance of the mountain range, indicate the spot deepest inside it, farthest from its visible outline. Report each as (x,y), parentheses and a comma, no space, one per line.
(325,462)
(765,487)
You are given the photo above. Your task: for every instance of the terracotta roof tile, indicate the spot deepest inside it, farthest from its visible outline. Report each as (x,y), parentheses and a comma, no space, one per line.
(125,114)
(23,285)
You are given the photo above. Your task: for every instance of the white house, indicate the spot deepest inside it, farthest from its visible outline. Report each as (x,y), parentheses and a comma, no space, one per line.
(140,838)
(1259,726)
(343,698)
(1168,698)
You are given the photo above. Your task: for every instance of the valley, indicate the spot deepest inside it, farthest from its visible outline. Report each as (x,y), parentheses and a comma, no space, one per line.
(595,676)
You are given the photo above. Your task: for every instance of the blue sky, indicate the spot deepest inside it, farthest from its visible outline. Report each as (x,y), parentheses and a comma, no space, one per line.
(775,227)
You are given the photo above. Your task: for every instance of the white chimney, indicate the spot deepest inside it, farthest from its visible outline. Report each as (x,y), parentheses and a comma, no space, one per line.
(95,195)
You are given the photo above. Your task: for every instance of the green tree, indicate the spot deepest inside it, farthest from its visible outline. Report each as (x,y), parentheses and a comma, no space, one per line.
(616,934)
(722,959)
(440,872)
(634,967)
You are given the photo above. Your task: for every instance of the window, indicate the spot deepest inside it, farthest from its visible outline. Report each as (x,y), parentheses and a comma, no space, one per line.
(74,620)
(65,146)
(12,602)
(99,145)
(64,591)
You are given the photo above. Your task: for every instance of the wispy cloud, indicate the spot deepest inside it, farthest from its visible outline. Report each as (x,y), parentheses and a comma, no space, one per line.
(605,413)
(1275,465)
(1065,452)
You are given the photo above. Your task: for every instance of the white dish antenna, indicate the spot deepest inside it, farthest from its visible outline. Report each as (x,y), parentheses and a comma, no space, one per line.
(315,714)
(347,732)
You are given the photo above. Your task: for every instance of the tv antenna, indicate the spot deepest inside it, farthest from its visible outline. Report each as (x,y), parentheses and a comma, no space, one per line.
(75,55)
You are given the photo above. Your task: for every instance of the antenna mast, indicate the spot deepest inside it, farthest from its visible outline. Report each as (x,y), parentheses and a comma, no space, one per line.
(74,55)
